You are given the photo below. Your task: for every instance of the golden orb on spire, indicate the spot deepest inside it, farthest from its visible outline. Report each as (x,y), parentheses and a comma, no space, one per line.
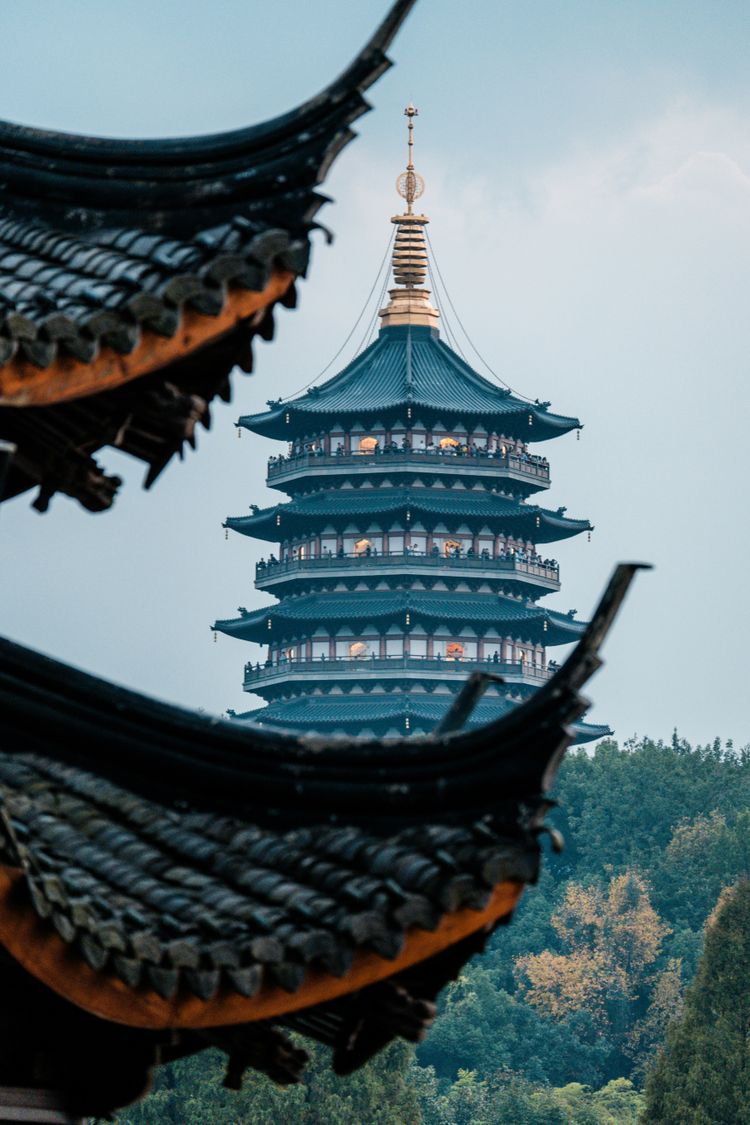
(410,186)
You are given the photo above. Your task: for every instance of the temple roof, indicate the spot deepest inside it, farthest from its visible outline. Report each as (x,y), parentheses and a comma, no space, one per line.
(120,259)
(261,908)
(409,366)
(530,622)
(532,522)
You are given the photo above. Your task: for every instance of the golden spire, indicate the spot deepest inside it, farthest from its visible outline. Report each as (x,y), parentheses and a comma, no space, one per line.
(409,303)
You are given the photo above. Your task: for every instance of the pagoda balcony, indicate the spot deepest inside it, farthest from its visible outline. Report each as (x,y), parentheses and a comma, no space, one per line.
(523,469)
(540,575)
(317,670)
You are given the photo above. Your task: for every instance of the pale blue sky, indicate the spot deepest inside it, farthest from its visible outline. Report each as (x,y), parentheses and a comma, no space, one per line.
(588,180)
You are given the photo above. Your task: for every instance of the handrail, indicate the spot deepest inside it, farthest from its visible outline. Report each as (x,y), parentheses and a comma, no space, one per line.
(530,464)
(512,564)
(532,672)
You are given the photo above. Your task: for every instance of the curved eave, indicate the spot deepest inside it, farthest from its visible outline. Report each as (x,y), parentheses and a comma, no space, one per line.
(273,423)
(590,732)
(275,524)
(36,945)
(166,180)
(554,527)
(329,714)
(24,382)
(301,615)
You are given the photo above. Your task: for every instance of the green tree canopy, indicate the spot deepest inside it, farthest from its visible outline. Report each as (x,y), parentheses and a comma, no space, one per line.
(703,1075)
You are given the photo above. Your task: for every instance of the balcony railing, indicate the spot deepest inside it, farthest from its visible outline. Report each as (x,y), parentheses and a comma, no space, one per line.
(434,667)
(526,465)
(511,565)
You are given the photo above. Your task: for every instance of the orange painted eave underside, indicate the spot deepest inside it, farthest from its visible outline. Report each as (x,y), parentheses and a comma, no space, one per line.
(38,948)
(24,384)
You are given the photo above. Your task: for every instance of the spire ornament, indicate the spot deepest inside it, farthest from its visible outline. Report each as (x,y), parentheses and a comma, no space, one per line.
(410,301)
(410,184)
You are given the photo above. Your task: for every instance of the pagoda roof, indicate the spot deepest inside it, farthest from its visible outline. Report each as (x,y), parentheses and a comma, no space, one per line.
(535,523)
(409,366)
(120,259)
(531,622)
(326,713)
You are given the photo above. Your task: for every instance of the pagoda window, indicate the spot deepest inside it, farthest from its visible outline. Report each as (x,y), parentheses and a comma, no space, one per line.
(418,544)
(394,646)
(417,646)
(369,444)
(452,548)
(358,650)
(363,547)
(454,650)
(320,650)
(396,544)
(418,439)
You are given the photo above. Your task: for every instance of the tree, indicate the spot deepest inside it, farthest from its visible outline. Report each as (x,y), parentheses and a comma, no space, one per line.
(665,1007)
(703,1075)
(481,1027)
(190,1093)
(610,939)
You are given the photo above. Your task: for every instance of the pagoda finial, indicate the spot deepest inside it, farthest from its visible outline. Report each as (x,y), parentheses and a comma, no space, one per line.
(410,184)
(410,302)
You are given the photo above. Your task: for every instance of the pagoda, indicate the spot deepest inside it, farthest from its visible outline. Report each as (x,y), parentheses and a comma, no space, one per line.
(411,550)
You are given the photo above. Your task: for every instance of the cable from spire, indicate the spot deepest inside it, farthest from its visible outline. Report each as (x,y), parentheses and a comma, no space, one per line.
(468,338)
(353,329)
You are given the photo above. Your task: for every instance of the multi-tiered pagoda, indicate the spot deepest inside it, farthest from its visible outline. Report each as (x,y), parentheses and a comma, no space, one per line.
(411,550)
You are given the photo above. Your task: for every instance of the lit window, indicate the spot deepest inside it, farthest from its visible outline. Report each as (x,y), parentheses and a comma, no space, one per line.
(368,444)
(363,547)
(449,443)
(454,650)
(452,548)
(359,649)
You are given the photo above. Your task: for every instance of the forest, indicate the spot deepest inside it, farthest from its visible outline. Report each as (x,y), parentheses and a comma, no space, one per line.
(622,981)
